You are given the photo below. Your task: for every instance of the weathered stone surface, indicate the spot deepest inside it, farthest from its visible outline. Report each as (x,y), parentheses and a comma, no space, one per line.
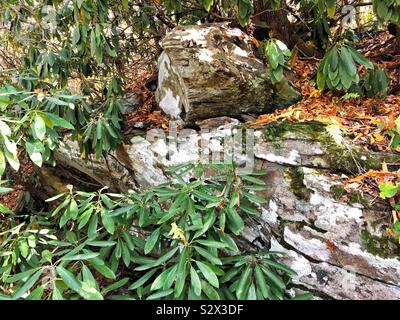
(330,281)
(312,145)
(210,70)
(130,102)
(113,172)
(339,249)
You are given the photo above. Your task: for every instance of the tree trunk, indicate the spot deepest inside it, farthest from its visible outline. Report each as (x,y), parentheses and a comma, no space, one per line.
(276,24)
(394,29)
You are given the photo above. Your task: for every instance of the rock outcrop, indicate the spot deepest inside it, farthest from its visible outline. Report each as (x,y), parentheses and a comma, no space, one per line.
(337,245)
(210,70)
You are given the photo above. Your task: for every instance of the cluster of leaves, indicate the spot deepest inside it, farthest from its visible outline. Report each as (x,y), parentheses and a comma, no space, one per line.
(319,12)
(376,83)
(26,121)
(244,10)
(51,50)
(391,191)
(175,241)
(102,133)
(339,70)
(31,122)
(387,10)
(54,43)
(326,7)
(277,54)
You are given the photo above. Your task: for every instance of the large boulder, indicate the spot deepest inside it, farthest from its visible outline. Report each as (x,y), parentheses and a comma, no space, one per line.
(210,70)
(334,239)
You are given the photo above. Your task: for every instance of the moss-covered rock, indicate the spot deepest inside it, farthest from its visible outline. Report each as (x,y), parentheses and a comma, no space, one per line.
(316,147)
(383,246)
(295,177)
(305,214)
(339,193)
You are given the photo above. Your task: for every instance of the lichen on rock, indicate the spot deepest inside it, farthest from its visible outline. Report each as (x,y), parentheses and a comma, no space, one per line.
(210,70)
(337,246)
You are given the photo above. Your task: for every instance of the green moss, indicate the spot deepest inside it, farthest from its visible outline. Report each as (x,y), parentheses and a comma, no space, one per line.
(295,177)
(279,129)
(340,157)
(352,160)
(355,197)
(338,193)
(274,136)
(384,246)
(275,132)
